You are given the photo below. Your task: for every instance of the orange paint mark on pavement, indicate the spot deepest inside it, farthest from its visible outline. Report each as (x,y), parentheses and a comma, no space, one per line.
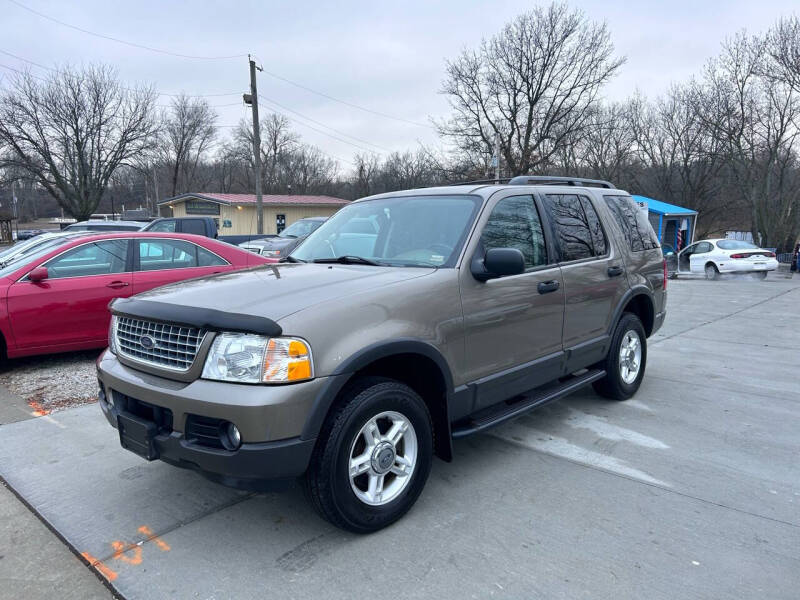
(152,537)
(121,549)
(38,409)
(97,564)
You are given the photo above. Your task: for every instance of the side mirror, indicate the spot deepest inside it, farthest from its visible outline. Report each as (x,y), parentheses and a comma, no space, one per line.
(499,262)
(38,274)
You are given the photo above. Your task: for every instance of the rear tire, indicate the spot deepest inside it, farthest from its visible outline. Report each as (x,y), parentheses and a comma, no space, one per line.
(628,349)
(712,273)
(762,275)
(361,477)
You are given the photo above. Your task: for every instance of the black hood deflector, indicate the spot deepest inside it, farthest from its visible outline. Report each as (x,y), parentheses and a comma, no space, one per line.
(208,319)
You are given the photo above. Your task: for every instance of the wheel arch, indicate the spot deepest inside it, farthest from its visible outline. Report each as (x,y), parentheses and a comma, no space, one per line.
(415,363)
(638,301)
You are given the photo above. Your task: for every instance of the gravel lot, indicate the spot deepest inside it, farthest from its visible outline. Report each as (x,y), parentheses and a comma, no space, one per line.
(53,382)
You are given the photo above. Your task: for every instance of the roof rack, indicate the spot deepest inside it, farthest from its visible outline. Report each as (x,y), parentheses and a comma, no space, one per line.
(482,181)
(555,180)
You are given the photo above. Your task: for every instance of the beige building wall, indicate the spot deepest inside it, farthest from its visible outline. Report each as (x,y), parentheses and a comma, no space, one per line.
(243,221)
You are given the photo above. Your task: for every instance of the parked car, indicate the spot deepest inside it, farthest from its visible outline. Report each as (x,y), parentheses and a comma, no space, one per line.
(23,248)
(367,351)
(26,234)
(105,226)
(287,240)
(55,299)
(205,226)
(713,257)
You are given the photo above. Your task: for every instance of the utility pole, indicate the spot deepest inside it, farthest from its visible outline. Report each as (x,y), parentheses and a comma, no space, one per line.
(252,100)
(497,157)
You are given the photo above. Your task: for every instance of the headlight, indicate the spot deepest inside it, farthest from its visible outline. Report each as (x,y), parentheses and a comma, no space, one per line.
(271,253)
(249,358)
(112,334)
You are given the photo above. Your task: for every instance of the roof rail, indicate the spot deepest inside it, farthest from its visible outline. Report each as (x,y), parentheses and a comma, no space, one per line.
(482,181)
(556,180)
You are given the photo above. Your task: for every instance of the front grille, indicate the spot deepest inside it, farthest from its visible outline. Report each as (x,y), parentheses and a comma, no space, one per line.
(203,431)
(169,346)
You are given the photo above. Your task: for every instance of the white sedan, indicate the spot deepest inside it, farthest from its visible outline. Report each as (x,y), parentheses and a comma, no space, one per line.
(712,257)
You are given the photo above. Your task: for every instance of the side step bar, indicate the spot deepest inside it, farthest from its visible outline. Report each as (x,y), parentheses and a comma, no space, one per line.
(508,410)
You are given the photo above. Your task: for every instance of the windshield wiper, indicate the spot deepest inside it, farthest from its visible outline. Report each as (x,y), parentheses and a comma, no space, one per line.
(348,259)
(290,259)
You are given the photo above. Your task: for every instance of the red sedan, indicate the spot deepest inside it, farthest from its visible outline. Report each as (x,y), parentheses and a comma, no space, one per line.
(56,300)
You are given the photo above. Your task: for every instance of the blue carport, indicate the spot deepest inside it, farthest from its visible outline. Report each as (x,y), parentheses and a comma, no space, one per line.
(667,219)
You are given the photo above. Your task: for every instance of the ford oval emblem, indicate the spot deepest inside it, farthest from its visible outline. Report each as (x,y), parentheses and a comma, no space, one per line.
(147,342)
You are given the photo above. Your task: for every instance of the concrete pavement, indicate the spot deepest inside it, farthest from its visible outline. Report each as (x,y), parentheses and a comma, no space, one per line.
(690,490)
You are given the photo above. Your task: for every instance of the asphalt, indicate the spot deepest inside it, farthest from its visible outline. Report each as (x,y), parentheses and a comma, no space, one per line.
(690,490)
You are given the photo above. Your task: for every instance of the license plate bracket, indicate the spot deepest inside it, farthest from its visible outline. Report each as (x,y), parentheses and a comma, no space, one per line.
(137,435)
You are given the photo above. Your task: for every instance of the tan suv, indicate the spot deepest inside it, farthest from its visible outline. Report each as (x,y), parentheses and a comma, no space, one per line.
(371,348)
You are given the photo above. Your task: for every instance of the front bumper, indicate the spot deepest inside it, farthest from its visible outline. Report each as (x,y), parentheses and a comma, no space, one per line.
(270,419)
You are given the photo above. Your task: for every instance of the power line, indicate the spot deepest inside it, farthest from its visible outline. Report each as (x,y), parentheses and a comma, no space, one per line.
(113,39)
(170,95)
(270,101)
(346,103)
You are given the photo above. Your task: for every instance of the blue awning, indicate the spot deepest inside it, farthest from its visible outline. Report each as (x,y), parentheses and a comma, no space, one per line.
(663,208)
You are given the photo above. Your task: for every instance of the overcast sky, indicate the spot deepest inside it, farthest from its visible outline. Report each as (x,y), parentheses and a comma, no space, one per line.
(388,57)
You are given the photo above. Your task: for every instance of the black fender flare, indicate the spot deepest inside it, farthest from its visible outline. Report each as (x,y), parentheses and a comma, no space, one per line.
(337,380)
(638,290)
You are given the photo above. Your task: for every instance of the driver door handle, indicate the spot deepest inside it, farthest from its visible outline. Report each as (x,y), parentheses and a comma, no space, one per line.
(118,284)
(545,287)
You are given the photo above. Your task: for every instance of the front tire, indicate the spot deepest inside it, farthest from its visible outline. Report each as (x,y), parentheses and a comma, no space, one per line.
(712,273)
(626,360)
(373,456)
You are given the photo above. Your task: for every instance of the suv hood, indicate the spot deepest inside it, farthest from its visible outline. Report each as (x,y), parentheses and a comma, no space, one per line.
(278,290)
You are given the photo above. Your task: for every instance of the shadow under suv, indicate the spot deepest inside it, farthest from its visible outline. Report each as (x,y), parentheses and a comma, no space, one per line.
(370,349)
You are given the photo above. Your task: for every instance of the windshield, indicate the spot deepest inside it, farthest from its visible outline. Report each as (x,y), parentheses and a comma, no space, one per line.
(299,229)
(415,231)
(735,245)
(19,246)
(35,254)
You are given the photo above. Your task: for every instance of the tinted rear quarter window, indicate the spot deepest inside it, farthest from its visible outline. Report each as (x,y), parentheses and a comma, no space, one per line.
(634,223)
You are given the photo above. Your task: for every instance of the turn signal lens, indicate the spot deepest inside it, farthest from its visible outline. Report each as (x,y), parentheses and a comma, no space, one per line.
(287,359)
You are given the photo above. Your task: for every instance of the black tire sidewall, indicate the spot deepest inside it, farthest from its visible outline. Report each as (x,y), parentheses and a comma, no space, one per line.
(629,322)
(370,402)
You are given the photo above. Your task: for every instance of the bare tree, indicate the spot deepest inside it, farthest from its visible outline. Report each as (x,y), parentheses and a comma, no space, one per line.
(72,131)
(783,48)
(188,134)
(754,118)
(533,85)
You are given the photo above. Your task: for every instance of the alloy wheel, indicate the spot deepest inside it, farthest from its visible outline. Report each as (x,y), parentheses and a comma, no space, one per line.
(382,458)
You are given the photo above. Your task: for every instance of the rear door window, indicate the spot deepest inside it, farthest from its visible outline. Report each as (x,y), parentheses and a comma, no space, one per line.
(579,233)
(195,226)
(633,221)
(156,255)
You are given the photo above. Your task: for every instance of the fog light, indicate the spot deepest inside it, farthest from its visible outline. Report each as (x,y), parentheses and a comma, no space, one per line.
(231,437)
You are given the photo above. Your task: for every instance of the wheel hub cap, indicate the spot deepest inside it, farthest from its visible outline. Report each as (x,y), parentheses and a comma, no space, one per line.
(383,457)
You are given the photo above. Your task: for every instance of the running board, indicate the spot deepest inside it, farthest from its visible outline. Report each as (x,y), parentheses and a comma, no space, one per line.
(508,410)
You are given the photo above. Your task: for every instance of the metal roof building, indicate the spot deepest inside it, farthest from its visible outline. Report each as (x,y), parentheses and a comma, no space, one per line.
(668,220)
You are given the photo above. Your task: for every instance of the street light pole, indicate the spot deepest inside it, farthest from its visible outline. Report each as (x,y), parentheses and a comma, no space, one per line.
(252,99)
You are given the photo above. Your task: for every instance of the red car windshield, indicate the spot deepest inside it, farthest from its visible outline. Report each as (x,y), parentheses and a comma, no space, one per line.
(27,259)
